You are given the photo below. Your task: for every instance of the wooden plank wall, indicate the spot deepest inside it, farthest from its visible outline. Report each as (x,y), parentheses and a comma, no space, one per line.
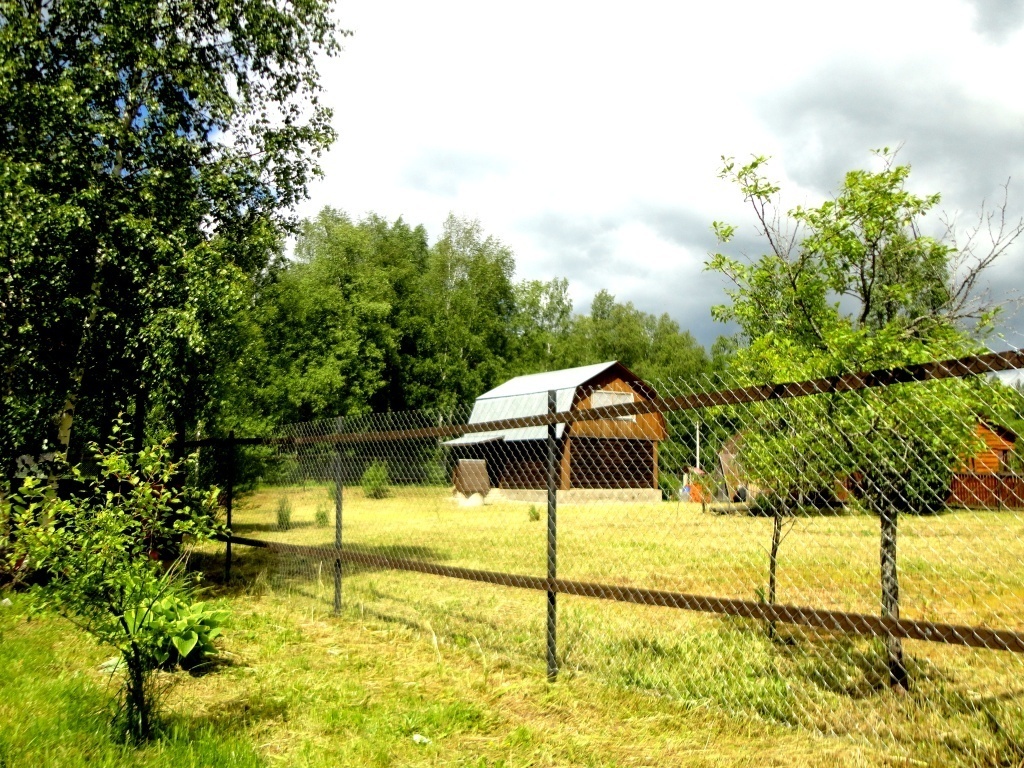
(612,463)
(987,491)
(647,426)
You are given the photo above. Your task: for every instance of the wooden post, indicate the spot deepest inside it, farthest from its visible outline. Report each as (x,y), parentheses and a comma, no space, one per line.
(229,493)
(553,482)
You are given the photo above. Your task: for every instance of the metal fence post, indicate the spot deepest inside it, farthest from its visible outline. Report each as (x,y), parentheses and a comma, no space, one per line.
(553,474)
(338,489)
(229,492)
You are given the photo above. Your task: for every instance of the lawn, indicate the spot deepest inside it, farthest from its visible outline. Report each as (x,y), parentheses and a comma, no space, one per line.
(462,663)
(303,690)
(963,567)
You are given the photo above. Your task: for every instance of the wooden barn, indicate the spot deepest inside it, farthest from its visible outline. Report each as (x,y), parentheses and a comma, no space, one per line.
(617,453)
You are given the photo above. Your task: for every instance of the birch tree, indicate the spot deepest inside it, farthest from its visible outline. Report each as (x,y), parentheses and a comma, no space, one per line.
(151,151)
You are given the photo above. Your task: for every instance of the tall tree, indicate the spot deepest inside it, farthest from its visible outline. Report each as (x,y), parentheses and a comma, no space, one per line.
(848,286)
(543,319)
(336,325)
(466,312)
(151,150)
(653,346)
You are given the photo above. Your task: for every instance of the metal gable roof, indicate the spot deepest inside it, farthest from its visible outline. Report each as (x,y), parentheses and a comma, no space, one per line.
(527,396)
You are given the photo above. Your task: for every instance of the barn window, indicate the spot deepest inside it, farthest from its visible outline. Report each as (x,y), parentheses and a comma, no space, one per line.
(604,397)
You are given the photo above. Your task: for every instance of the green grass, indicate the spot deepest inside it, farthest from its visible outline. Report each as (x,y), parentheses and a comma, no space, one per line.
(462,663)
(56,706)
(962,567)
(308,691)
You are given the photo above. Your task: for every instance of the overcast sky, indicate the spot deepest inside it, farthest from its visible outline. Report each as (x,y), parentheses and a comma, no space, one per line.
(588,136)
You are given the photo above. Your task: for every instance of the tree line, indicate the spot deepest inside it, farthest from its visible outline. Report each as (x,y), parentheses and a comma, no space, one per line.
(368,316)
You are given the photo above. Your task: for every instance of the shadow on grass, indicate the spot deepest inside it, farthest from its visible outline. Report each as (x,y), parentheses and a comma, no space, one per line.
(243,528)
(234,714)
(209,666)
(847,665)
(253,568)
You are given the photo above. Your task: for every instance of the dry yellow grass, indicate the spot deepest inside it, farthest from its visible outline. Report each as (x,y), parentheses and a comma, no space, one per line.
(962,567)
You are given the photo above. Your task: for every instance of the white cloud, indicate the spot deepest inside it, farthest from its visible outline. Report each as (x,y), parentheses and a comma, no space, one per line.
(584,135)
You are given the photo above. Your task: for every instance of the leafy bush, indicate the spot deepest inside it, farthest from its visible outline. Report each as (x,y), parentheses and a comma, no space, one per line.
(376,481)
(284,513)
(96,551)
(534,513)
(183,632)
(436,469)
(8,565)
(322,516)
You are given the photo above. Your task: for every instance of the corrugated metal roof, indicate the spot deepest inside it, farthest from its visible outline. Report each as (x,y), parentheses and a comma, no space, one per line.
(527,396)
(567,378)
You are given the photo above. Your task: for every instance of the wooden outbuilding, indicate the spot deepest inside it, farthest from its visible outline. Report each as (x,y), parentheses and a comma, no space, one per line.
(986,479)
(620,452)
(994,457)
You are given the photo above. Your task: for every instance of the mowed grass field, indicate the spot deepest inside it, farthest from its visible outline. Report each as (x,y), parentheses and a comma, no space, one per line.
(294,689)
(964,567)
(462,663)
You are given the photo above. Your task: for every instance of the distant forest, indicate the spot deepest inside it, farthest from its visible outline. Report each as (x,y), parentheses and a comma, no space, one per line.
(368,316)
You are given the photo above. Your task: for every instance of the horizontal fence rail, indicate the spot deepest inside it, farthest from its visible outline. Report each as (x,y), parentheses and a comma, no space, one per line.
(835,621)
(973,365)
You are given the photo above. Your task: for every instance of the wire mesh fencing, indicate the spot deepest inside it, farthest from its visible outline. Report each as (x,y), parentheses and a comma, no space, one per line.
(843,553)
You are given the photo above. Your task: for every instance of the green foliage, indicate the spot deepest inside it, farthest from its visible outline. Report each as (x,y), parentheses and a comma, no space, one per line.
(96,550)
(183,631)
(59,719)
(150,153)
(322,516)
(466,307)
(436,468)
(369,318)
(669,484)
(284,513)
(543,321)
(376,481)
(334,325)
(654,347)
(534,514)
(850,286)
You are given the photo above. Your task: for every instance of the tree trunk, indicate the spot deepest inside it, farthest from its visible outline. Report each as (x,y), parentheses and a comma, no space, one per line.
(139,418)
(773,562)
(67,414)
(138,725)
(891,596)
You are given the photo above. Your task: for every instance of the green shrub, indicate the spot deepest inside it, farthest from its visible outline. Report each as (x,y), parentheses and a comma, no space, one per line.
(284,513)
(436,467)
(669,485)
(375,481)
(534,513)
(95,550)
(183,632)
(322,516)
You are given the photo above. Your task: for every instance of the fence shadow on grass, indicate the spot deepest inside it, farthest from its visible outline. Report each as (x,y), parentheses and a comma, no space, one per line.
(251,565)
(242,529)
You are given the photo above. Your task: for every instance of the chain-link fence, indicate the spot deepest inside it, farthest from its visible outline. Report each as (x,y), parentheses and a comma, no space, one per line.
(843,553)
